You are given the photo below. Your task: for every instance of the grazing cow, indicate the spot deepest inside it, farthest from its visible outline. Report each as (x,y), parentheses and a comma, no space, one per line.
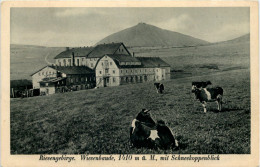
(144,132)
(159,87)
(205,95)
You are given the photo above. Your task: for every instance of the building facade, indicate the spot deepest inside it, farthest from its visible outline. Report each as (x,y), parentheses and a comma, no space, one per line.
(55,79)
(120,69)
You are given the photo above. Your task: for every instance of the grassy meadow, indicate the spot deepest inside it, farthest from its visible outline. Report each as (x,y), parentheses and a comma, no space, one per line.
(26,59)
(97,121)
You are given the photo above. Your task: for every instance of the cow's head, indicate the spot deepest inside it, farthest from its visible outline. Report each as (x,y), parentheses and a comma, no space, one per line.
(199,85)
(145,117)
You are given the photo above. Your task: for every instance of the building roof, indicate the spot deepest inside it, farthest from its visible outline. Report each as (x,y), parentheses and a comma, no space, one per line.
(151,62)
(74,69)
(70,69)
(123,58)
(102,49)
(78,52)
(53,80)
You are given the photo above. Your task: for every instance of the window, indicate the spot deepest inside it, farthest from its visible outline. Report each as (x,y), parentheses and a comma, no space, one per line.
(39,74)
(106,70)
(86,78)
(114,71)
(77,62)
(131,70)
(50,72)
(145,70)
(82,79)
(114,79)
(100,72)
(77,79)
(64,62)
(42,73)
(71,80)
(126,71)
(100,79)
(102,64)
(110,63)
(121,71)
(91,65)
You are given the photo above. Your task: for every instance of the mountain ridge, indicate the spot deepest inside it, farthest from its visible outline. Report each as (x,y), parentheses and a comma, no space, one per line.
(144,34)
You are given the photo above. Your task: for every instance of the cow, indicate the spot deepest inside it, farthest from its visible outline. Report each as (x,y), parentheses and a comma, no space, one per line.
(145,132)
(204,95)
(159,87)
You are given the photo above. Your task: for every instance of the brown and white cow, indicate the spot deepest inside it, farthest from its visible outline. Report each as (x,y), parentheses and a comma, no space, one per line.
(144,132)
(205,95)
(159,87)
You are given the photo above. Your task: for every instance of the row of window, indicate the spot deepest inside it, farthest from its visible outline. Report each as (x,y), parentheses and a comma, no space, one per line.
(131,71)
(82,79)
(46,73)
(128,79)
(93,59)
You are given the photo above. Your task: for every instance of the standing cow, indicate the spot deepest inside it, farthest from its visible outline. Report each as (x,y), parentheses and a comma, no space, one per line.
(144,132)
(159,87)
(205,95)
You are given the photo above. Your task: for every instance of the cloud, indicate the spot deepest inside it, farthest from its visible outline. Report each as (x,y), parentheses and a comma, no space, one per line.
(77,12)
(178,23)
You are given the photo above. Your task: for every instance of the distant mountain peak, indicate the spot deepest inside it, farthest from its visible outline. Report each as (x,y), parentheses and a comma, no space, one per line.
(144,34)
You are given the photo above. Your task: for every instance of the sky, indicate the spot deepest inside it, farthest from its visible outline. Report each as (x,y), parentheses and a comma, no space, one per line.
(86,26)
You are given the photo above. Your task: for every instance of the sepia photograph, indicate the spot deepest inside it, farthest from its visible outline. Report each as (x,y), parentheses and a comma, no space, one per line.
(131,81)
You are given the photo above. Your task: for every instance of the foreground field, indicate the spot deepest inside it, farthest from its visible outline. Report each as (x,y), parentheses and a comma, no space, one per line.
(98,121)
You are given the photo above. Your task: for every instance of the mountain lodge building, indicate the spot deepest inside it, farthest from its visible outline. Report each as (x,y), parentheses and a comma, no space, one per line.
(104,65)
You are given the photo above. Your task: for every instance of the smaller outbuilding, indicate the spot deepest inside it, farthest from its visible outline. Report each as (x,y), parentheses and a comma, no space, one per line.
(55,79)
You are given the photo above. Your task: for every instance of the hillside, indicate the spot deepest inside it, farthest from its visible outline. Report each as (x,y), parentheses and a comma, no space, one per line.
(148,35)
(97,121)
(242,39)
(26,59)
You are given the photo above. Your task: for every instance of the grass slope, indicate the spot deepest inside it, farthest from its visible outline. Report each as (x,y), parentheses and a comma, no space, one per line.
(26,59)
(98,121)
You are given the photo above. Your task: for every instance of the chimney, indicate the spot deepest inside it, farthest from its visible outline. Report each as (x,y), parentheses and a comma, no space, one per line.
(67,48)
(133,54)
(73,59)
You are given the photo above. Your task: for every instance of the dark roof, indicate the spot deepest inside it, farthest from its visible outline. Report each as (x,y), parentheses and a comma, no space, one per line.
(78,52)
(102,49)
(148,62)
(74,69)
(123,58)
(53,80)
(70,69)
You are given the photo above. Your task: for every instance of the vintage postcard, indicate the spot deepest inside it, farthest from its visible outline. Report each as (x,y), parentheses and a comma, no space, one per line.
(125,83)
